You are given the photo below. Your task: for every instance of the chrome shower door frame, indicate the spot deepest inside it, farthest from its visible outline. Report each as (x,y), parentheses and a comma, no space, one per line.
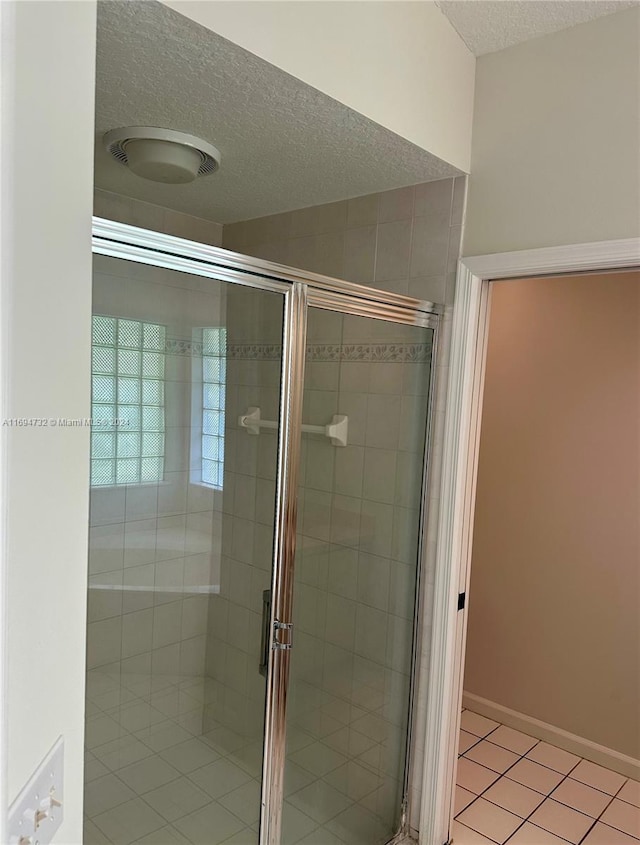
(301,291)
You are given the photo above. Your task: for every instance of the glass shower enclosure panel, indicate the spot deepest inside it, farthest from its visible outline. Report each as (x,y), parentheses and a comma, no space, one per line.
(181,547)
(356,579)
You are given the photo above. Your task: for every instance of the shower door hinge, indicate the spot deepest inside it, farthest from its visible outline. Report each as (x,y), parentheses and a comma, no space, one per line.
(286,630)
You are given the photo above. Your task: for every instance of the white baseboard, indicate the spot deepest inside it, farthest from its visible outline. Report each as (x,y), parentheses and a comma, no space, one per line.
(607,757)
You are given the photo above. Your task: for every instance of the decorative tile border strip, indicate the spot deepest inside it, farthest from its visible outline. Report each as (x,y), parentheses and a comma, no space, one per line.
(255,351)
(319,352)
(323,352)
(389,352)
(175,346)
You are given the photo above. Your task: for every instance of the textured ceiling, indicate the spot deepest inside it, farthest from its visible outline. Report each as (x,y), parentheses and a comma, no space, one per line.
(284,144)
(489,25)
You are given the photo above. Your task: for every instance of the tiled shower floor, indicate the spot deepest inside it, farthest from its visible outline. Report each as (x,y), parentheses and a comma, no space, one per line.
(151,777)
(513,788)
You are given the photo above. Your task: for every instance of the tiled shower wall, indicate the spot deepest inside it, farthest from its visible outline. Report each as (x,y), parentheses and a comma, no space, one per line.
(357,549)
(406,240)
(149,216)
(154,549)
(134,629)
(235,692)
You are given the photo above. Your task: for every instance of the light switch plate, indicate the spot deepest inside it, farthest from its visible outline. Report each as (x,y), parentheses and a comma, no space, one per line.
(37,812)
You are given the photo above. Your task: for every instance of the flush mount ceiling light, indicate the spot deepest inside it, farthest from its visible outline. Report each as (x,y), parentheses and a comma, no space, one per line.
(162,155)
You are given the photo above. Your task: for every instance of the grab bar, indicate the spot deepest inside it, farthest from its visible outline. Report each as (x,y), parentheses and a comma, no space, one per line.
(337,430)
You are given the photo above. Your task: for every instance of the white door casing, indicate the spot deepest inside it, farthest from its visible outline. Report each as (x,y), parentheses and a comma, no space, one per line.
(457,494)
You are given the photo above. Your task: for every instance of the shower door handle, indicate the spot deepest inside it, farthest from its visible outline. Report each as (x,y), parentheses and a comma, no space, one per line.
(264,643)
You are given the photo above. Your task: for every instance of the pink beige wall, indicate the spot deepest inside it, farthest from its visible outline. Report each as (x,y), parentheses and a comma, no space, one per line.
(554,611)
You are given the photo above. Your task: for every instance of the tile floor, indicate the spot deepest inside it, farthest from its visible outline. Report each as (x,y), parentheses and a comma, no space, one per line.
(152,777)
(513,788)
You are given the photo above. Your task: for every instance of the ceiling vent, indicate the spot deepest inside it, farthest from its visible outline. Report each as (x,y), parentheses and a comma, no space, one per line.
(162,155)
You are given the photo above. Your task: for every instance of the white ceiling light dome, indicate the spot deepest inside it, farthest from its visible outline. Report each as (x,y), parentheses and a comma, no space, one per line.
(162,155)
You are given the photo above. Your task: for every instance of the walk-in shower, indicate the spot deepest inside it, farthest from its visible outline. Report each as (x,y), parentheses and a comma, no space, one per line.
(257,483)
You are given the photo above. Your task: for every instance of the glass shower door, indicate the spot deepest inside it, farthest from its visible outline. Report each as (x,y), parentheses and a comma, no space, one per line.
(209,644)
(356,579)
(181,547)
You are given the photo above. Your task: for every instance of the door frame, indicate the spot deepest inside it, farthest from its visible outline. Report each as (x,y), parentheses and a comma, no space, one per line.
(458,487)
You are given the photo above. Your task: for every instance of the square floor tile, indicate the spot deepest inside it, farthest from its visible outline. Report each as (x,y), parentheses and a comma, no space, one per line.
(602,834)
(462,799)
(105,793)
(249,758)
(318,759)
(492,756)
(513,740)
(219,777)
(245,837)
(321,836)
(529,834)
(553,758)
(189,755)
(490,820)
(534,776)
(465,741)
(148,774)
(295,825)
(91,835)
(244,802)
(101,729)
(475,724)
(93,769)
(135,717)
(295,778)
(320,801)
(211,825)
(581,797)
(163,735)
(358,826)
(165,836)
(129,822)
(224,741)
(563,821)
(463,835)
(598,777)
(514,797)
(352,779)
(122,752)
(176,799)
(623,816)
(474,777)
(630,793)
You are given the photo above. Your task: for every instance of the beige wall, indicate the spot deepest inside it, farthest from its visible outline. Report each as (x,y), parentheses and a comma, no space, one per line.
(556,139)
(49,58)
(401,64)
(555,578)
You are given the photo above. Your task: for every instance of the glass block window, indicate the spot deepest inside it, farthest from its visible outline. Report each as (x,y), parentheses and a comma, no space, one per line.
(127,387)
(209,383)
